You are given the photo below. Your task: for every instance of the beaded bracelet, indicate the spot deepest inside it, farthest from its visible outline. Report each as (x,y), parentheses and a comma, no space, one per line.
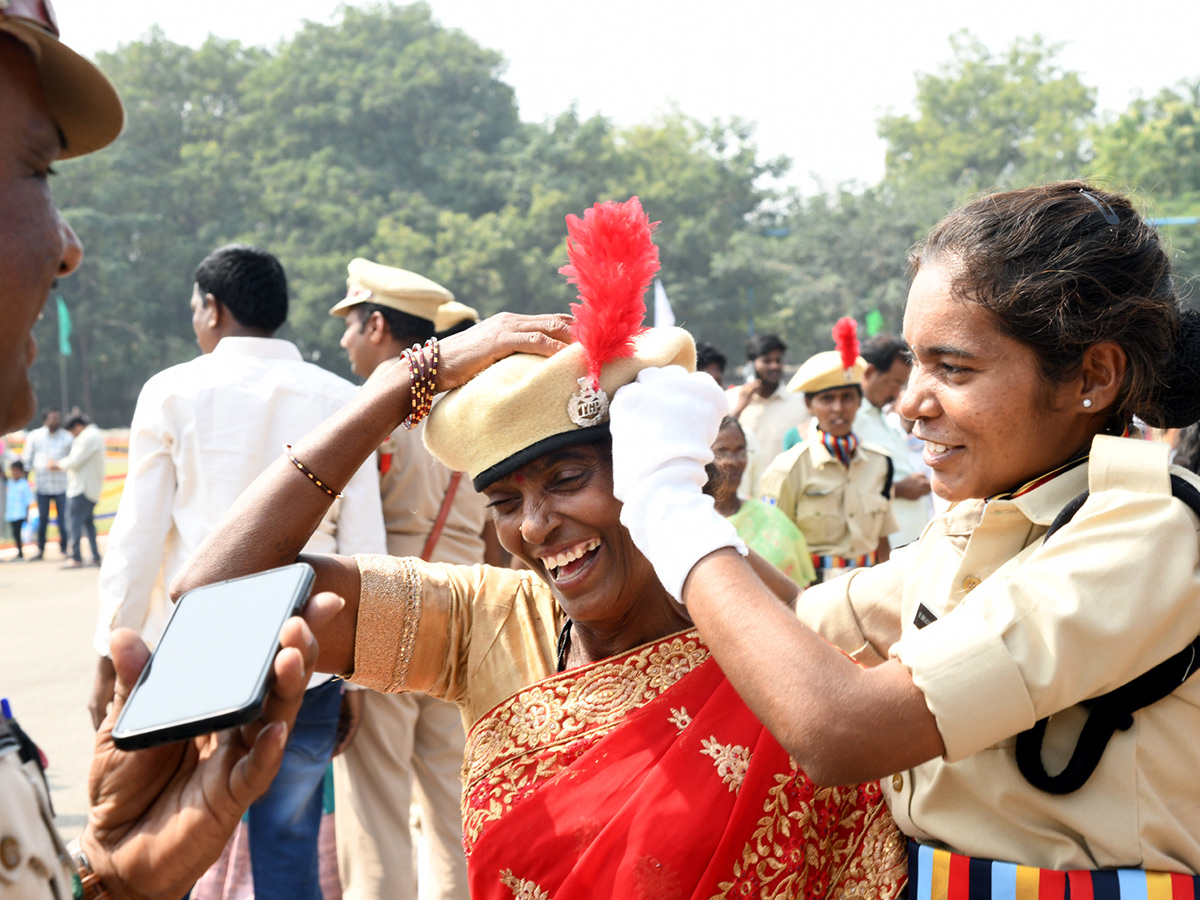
(422,374)
(305,470)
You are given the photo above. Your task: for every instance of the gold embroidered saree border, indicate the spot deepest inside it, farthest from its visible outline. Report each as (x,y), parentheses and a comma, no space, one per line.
(526,739)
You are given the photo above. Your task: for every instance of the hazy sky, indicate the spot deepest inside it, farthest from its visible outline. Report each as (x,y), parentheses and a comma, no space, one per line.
(813,77)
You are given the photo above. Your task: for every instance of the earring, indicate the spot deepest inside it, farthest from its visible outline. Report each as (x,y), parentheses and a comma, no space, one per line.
(1087,402)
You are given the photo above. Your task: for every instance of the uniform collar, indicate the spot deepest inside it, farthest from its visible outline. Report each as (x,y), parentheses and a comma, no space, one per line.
(1043,498)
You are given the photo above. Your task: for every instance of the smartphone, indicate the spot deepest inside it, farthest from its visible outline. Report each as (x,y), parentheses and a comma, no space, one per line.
(212,668)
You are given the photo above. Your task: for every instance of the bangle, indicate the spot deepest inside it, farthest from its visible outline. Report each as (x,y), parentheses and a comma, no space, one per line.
(422,375)
(311,475)
(90,887)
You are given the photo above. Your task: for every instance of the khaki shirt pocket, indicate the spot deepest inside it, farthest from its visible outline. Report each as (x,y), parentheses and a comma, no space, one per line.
(821,516)
(875,507)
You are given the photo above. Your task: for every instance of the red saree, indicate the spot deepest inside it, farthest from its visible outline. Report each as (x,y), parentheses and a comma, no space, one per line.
(646,776)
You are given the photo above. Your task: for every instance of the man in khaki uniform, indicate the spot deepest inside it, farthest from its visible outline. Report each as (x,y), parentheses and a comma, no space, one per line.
(836,489)
(405,736)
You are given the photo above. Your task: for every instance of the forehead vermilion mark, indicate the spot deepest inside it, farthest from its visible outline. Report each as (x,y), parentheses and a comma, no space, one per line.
(520,479)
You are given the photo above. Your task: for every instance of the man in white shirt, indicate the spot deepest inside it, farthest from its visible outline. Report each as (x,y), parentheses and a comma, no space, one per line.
(201,432)
(44,446)
(84,466)
(762,409)
(883,382)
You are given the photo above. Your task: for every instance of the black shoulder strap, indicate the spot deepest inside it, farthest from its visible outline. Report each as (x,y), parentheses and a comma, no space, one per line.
(1113,710)
(887,484)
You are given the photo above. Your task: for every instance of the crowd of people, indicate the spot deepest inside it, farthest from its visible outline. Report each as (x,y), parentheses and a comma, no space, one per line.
(681,641)
(66,461)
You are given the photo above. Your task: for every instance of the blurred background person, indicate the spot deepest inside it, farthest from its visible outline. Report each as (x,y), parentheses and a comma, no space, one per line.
(202,431)
(84,466)
(766,530)
(837,490)
(44,446)
(763,408)
(883,383)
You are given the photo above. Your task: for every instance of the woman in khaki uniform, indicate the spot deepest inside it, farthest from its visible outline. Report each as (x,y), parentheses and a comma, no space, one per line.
(1041,321)
(836,490)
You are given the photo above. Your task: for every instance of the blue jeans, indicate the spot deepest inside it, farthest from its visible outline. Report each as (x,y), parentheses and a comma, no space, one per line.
(284,822)
(80,514)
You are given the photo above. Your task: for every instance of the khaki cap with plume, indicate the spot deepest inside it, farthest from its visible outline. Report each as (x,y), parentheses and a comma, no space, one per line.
(831,369)
(520,407)
(525,406)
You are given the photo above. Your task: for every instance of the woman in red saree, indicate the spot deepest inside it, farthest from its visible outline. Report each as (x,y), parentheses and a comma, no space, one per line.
(607,755)
(646,776)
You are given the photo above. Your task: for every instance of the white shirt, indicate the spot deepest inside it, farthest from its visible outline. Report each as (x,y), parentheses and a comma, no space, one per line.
(84,465)
(873,427)
(201,432)
(768,419)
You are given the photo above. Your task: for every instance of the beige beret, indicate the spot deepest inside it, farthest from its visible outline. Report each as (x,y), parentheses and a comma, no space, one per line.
(824,372)
(399,289)
(452,313)
(525,406)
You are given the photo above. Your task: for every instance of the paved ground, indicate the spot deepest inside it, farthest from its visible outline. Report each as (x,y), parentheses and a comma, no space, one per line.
(46,668)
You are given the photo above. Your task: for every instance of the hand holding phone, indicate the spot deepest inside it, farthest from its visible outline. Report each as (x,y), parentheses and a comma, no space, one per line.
(211,668)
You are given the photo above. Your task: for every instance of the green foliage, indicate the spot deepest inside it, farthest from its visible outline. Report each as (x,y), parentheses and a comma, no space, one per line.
(387,136)
(1154,146)
(988,121)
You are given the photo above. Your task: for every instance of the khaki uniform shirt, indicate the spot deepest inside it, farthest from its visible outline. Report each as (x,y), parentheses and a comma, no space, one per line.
(412,489)
(34,864)
(471,635)
(842,511)
(1024,631)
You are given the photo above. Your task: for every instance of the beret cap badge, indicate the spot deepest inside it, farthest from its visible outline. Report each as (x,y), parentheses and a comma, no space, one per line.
(588,406)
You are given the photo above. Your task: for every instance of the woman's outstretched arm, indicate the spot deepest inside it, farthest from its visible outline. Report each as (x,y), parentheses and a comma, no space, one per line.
(843,723)
(274,518)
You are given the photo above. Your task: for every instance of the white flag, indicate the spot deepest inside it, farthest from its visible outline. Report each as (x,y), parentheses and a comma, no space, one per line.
(664,316)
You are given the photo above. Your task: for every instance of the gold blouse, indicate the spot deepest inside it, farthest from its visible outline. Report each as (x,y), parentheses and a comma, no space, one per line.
(473,635)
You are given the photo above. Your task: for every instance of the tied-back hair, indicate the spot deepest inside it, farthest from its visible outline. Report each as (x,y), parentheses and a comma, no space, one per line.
(1064,266)
(249,282)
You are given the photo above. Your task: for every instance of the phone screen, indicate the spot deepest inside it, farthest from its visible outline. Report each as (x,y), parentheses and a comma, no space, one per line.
(210,669)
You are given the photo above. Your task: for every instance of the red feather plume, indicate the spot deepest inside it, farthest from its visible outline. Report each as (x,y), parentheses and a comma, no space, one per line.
(612,259)
(845,339)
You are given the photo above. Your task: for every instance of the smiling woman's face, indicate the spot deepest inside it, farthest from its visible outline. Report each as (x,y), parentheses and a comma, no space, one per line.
(989,419)
(558,515)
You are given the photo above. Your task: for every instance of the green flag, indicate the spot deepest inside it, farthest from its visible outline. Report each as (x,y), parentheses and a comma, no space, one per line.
(874,322)
(64,328)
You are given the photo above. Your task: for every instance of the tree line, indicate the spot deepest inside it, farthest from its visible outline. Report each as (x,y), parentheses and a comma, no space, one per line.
(388,136)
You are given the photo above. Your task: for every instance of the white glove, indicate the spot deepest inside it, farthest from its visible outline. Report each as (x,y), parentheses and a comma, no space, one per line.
(663,427)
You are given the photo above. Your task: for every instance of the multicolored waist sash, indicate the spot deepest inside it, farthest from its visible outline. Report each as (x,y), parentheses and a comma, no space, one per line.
(843,562)
(941,875)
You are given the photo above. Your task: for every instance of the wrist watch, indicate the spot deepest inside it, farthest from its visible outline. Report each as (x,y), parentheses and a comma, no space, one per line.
(87,884)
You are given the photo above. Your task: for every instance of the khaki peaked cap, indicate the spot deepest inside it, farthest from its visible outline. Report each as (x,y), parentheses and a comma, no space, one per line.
(452,313)
(83,102)
(517,409)
(824,372)
(398,289)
